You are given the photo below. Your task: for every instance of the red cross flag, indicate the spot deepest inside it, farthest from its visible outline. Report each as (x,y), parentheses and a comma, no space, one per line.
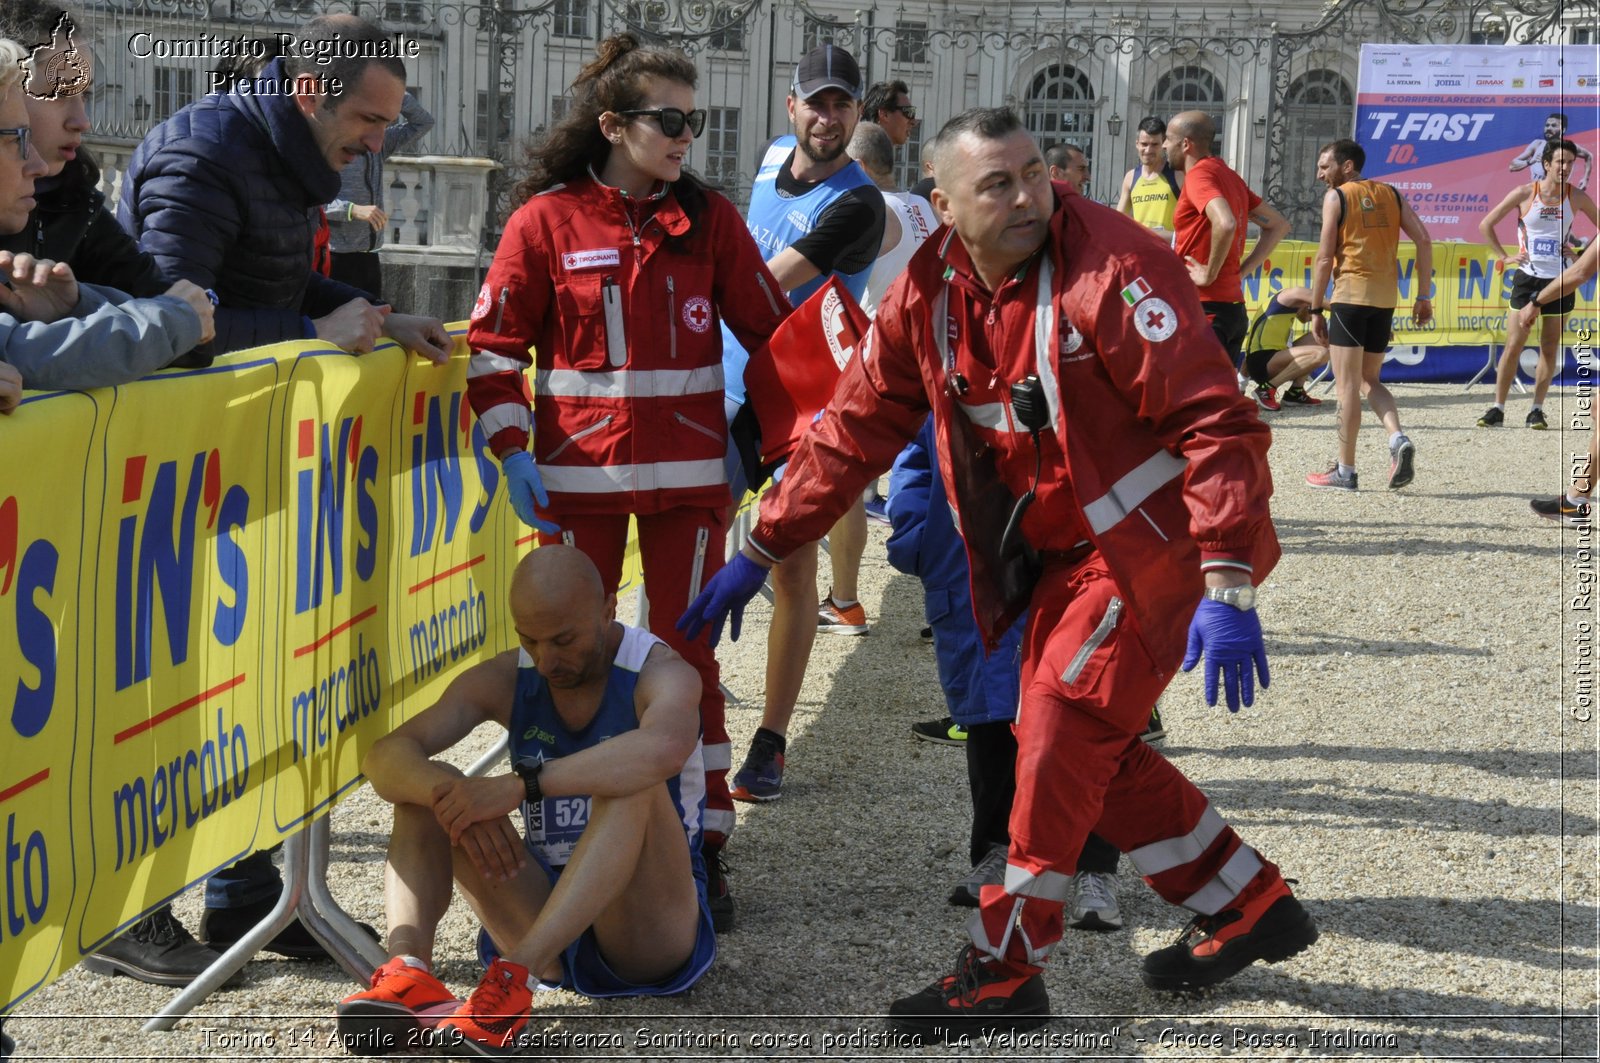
(792,378)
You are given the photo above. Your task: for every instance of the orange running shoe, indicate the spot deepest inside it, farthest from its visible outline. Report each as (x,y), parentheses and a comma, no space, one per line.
(842,619)
(384,1019)
(489,1022)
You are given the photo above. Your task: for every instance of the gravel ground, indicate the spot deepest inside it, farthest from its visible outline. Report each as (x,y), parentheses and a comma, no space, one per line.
(1415,766)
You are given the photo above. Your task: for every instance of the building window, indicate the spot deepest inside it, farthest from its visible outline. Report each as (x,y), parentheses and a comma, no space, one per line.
(1060,108)
(174,88)
(1317,109)
(1585,35)
(730,37)
(910,42)
(571,19)
(1492,35)
(1189,88)
(481,127)
(908,158)
(721,166)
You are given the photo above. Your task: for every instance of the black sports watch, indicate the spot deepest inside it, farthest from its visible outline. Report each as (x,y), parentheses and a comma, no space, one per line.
(530,781)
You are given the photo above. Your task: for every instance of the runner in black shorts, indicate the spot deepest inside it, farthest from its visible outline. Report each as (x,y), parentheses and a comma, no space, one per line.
(1526,286)
(1230,322)
(1368,327)
(1362,222)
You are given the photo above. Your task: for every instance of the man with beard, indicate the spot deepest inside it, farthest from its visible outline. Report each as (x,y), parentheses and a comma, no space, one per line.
(814,212)
(1531,158)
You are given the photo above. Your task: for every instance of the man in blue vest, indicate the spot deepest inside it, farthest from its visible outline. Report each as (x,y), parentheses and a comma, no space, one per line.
(815,213)
(606,893)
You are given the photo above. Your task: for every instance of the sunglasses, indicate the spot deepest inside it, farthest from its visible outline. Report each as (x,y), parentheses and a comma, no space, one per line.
(21,133)
(673,120)
(909,111)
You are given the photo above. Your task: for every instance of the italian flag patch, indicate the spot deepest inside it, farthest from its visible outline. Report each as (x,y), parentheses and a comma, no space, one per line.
(1135,291)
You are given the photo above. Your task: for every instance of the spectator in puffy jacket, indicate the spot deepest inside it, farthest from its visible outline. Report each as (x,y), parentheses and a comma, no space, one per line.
(357,218)
(225,192)
(55,332)
(981,691)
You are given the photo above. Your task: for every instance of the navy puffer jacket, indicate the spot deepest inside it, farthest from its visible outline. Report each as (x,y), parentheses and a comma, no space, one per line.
(225,194)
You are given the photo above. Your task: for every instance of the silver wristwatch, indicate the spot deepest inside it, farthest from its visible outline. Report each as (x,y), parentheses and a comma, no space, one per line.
(1242,597)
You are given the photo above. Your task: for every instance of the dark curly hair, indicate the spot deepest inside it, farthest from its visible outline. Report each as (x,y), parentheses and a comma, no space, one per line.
(613,81)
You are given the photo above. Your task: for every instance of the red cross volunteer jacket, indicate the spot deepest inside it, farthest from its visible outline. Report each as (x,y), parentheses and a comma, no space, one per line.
(1151,454)
(622,316)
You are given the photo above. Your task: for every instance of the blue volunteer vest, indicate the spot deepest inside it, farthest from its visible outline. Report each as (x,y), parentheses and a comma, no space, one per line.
(778,221)
(553,827)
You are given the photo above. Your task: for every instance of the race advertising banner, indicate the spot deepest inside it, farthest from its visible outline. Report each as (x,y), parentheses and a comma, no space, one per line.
(207,619)
(332,654)
(43,528)
(1455,128)
(177,745)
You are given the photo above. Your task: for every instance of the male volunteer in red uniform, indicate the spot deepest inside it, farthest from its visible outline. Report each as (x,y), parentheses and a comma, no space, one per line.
(1066,359)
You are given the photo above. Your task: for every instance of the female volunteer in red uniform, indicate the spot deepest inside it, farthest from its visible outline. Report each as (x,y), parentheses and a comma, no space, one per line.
(616,269)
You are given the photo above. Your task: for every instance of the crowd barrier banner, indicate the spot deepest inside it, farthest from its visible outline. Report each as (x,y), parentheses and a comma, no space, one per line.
(1471,297)
(217,589)
(1446,124)
(45,524)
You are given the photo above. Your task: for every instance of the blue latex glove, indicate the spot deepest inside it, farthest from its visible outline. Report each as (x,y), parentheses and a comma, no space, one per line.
(526,488)
(1230,639)
(730,590)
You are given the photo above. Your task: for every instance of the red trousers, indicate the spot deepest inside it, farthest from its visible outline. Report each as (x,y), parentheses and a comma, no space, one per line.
(1087,688)
(681,549)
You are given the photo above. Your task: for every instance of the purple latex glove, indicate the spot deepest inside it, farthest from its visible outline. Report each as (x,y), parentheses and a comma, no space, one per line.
(1230,640)
(730,590)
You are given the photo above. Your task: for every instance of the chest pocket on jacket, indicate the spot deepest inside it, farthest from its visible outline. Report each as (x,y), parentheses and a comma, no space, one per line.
(583,301)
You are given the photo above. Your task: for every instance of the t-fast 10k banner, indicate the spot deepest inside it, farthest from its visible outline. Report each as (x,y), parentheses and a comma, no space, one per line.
(217,589)
(1454,128)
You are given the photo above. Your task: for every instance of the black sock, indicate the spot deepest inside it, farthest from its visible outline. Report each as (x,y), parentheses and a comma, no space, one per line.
(774,737)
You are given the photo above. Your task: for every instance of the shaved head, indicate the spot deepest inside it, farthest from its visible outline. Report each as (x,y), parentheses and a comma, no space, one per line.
(1196,126)
(563,616)
(559,578)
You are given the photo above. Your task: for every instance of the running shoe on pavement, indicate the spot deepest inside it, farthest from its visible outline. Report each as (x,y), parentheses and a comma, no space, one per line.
(837,619)
(383,1019)
(1560,508)
(490,1021)
(1094,902)
(1402,463)
(761,777)
(945,732)
(990,871)
(1332,479)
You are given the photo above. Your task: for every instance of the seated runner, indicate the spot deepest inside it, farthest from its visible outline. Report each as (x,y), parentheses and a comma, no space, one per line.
(606,896)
